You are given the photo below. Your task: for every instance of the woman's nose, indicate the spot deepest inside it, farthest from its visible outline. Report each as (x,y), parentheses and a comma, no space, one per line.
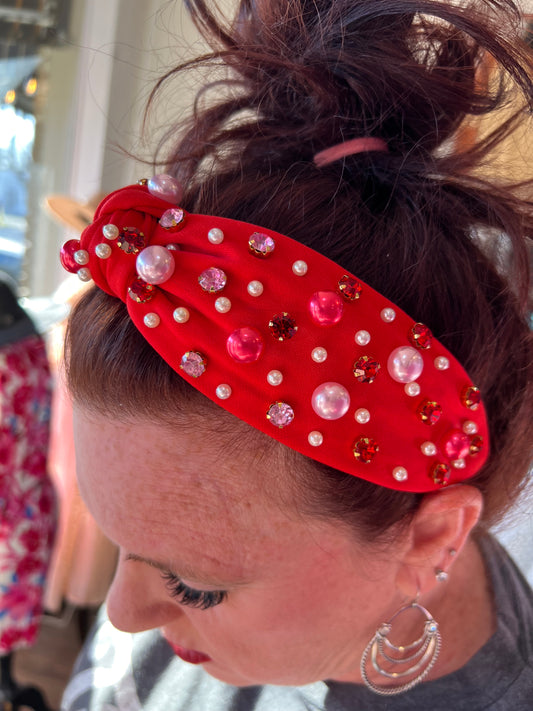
(138,599)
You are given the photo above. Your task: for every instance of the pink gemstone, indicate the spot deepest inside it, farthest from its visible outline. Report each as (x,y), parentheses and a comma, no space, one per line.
(326,308)
(245,345)
(456,445)
(261,245)
(155,264)
(66,255)
(405,364)
(173,219)
(280,414)
(212,280)
(193,363)
(165,187)
(330,401)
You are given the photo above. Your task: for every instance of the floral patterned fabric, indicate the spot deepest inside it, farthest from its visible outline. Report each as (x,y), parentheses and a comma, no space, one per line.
(27,502)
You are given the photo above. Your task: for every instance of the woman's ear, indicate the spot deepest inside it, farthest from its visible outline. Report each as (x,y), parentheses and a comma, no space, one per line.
(437,533)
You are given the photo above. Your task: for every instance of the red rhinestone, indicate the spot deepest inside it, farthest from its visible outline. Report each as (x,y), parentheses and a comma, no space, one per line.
(131,240)
(283,326)
(440,473)
(420,336)
(476,444)
(349,287)
(471,397)
(66,255)
(366,369)
(365,449)
(429,412)
(140,291)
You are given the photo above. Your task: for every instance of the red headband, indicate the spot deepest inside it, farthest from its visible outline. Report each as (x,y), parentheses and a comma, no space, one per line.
(286,340)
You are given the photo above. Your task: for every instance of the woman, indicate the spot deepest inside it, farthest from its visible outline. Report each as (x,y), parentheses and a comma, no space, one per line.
(312,396)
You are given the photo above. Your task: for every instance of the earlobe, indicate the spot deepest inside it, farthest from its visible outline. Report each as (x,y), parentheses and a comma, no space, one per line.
(438,532)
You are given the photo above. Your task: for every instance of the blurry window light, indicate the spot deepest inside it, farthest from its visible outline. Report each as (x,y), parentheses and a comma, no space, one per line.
(30,88)
(10,96)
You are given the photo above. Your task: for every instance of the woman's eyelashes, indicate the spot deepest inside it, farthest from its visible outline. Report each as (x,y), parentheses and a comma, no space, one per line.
(201,599)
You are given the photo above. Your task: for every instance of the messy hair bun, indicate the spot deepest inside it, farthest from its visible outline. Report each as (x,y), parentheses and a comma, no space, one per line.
(293,77)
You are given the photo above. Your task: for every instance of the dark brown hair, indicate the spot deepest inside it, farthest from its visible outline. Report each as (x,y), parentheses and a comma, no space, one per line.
(416,223)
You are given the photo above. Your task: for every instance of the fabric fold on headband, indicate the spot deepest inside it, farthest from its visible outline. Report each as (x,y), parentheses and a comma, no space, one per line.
(288,341)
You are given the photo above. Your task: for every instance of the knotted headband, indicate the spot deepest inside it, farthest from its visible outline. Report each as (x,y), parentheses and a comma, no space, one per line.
(286,339)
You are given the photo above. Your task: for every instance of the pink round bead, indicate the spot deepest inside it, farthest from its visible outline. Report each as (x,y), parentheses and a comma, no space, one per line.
(456,445)
(155,264)
(245,345)
(165,187)
(405,364)
(67,253)
(330,401)
(326,308)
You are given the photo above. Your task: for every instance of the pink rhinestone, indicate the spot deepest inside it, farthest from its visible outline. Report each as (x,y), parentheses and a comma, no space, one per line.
(173,219)
(155,264)
(212,280)
(165,187)
(326,308)
(245,345)
(66,255)
(193,363)
(456,445)
(261,245)
(280,414)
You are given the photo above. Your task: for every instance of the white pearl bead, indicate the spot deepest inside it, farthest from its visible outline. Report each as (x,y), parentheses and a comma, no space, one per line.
(181,314)
(103,251)
(223,391)
(441,363)
(319,355)
(330,401)
(215,235)
(155,264)
(255,288)
(399,473)
(151,320)
(81,257)
(222,305)
(315,438)
(84,274)
(110,231)
(470,427)
(428,449)
(362,416)
(362,338)
(275,377)
(405,364)
(388,315)
(458,464)
(300,267)
(412,389)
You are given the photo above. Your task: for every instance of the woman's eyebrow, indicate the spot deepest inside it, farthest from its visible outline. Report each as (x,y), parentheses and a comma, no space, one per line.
(185,571)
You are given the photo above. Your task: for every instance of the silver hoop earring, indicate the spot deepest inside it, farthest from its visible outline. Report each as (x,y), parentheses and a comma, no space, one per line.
(413,660)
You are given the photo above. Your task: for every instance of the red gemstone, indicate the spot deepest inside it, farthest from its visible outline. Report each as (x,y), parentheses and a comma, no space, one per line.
(440,473)
(366,369)
(350,288)
(420,336)
(131,240)
(66,255)
(245,345)
(471,397)
(140,291)
(326,308)
(456,445)
(429,412)
(283,326)
(476,445)
(365,449)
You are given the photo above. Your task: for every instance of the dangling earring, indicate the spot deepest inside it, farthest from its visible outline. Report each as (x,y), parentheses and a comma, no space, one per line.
(419,656)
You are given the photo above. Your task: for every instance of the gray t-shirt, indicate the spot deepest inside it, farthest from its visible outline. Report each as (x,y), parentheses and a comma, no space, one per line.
(123,672)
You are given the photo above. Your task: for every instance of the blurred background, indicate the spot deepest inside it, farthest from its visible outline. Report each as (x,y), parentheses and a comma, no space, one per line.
(75,76)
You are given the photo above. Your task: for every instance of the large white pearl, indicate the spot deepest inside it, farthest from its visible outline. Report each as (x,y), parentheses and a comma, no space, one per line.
(255,288)
(151,320)
(181,314)
(155,264)
(110,231)
(215,235)
(362,338)
(103,251)
(299,267)
(330,401)
(223,391)
(362,415)
(319,354)
(405,364)
(275,378)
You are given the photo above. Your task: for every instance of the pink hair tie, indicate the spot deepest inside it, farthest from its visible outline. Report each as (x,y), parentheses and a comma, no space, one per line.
(349,148)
